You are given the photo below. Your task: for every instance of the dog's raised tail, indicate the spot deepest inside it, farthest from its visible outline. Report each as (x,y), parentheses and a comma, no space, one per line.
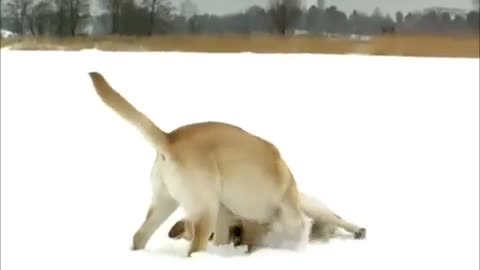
(120,105)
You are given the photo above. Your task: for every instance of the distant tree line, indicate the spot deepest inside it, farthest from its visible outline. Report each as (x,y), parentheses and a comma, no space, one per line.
(149,17)
(74,17)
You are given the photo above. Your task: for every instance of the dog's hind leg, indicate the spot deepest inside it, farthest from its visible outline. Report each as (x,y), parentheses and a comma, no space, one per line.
(203,225)
(324,218)
(358,232)
(225,220)
(161,207)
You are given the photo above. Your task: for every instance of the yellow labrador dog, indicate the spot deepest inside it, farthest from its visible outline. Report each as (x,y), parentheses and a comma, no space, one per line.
(203,167)
(252,234)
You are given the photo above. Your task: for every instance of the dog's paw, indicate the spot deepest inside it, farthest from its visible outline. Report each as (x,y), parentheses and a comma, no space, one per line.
(361,234)
(134,248)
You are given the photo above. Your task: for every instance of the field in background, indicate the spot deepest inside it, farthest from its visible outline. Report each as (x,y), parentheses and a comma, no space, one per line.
(402,45)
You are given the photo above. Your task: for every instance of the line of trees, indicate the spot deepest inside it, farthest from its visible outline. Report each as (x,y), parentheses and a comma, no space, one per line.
(59,17)
(149,17)
(285,16)
(74,17)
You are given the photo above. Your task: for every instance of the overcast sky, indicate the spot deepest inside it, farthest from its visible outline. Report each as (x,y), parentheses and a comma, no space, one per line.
(390,6)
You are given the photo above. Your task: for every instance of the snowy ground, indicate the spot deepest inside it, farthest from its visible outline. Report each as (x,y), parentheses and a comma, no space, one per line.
(389,143)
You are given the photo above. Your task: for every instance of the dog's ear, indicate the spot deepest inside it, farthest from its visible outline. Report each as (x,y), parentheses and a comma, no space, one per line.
(177,230)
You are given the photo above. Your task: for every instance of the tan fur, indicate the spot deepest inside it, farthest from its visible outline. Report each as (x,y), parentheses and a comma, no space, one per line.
(203,166)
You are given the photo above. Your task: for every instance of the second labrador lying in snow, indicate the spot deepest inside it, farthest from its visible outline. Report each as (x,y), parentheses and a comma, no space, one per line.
(255,235)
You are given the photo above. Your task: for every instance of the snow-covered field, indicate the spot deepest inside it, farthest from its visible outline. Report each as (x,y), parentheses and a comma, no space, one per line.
(389,143)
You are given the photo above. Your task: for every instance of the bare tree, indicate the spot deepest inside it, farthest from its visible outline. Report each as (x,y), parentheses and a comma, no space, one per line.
(285,14)
(76,8)
(29,16)
(114,7)
(69,13)
(18,9)
(38,16)
(157,9)
(144,14)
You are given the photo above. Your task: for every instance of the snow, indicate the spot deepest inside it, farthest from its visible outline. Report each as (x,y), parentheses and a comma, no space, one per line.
(389,143)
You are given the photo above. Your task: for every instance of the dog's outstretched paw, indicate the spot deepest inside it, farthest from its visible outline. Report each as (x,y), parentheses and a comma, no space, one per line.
(361,234)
